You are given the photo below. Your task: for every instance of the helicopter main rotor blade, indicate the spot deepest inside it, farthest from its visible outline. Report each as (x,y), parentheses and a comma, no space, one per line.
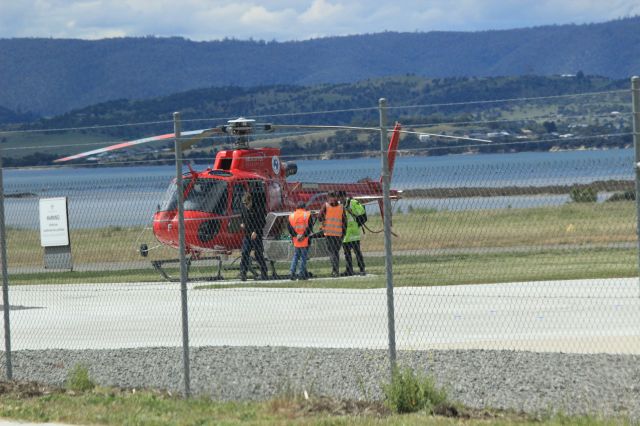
(375,129)
(438,135)
(187,144)
(322,127)
(129,144)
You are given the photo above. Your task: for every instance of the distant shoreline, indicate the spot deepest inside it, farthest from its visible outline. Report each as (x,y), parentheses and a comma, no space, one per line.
(466,192)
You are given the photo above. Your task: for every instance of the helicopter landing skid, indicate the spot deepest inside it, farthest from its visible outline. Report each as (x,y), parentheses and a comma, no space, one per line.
(158,266)
(276,276)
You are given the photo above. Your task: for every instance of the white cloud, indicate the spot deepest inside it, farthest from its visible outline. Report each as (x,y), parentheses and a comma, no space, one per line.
(260,17)
(320,11)
(289,19)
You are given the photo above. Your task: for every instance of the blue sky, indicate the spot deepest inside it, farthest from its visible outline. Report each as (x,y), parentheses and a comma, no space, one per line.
(284,20)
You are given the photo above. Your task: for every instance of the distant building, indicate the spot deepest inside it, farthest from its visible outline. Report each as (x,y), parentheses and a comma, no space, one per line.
(499,134)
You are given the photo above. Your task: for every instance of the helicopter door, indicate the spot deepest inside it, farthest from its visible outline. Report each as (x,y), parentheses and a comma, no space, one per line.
(270,199)
(275,196)
(256,187)
(239,190)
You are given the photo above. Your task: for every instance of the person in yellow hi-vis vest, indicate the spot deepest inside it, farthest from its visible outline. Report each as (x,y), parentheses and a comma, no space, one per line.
(300,227)
(334,226)
(351,242)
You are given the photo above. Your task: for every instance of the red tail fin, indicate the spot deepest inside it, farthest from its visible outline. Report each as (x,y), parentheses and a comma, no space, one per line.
(393,149)
(391,157)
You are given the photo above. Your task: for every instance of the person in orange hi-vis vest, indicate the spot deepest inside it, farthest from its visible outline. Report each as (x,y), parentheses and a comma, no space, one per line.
(334,226)
(300,227)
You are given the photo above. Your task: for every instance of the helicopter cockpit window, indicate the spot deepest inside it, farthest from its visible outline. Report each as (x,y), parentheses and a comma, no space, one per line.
(236,203)
(170,200)
(206,195)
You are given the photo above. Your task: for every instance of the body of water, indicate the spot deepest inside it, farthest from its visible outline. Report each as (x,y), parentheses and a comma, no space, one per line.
(128,196)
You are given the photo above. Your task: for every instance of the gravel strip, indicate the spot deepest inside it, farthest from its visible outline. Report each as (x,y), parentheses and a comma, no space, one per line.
(534,383)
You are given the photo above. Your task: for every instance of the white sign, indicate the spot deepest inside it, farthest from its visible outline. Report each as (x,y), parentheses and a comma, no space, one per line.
(54,227)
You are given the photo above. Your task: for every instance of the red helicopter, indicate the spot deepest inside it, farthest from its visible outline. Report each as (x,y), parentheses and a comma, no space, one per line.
(212,197)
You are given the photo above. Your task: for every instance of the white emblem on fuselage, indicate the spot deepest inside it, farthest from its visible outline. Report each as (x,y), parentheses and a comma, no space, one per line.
(275,164)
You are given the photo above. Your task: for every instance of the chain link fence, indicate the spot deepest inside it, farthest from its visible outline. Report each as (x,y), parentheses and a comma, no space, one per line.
(504,266)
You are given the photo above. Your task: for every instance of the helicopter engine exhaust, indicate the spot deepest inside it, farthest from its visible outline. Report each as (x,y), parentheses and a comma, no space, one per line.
(291,169)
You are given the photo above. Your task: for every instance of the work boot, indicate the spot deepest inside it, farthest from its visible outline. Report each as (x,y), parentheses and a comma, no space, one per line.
(243,277)
(293,277)
(363,273)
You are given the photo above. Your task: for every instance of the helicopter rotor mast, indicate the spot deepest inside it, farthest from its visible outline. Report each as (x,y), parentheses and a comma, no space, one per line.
(241,128)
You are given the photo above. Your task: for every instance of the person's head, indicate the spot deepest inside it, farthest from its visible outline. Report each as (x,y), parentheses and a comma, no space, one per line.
(247,199)
(332,197)
(300,205)
(341,195)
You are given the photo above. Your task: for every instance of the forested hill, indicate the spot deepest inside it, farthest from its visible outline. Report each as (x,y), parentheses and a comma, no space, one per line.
(593,113)
(355,99)
(52,76)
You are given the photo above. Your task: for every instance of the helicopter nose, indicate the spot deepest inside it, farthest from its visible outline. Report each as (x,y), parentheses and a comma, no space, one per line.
(208,230)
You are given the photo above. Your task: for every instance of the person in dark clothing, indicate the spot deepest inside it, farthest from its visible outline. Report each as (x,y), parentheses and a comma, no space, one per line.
(253,219)
(334,226)
(300,226)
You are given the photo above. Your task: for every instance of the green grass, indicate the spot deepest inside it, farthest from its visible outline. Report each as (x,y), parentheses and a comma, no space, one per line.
(419,270)
(78,379)
(116,408)
(72,277)
(565,242)
(574,223)
(109,406)
(409,392)
(454,269)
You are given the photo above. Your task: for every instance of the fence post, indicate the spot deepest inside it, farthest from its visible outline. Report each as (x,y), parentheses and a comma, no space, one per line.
(181,249)
(635,100)
(388,260)
(5,281)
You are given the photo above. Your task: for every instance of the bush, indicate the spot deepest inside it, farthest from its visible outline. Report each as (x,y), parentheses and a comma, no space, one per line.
(78,379)
(409,392)
(623,196)
(583,195)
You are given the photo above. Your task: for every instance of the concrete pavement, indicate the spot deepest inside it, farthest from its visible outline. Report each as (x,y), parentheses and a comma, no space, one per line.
(585,316)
